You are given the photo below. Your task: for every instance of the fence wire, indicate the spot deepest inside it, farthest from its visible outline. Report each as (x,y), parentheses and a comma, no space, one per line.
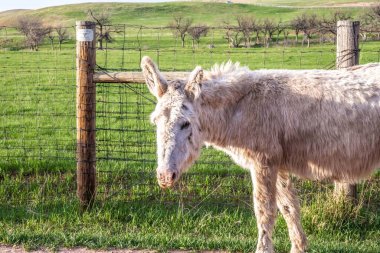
(126,144)
(38,128)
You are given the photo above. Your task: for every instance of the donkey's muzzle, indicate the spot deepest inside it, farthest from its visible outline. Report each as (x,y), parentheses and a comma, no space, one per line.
(167,178)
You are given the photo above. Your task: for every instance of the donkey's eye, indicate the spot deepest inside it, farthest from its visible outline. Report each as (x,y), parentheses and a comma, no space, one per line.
(185,125)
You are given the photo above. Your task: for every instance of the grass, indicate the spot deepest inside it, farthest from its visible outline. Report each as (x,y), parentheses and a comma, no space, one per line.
(44,213)
(301,3)
(209,210)
(160,14)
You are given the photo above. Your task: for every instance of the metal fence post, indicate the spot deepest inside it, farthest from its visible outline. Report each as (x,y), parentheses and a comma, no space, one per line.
(347,55)
(86,104)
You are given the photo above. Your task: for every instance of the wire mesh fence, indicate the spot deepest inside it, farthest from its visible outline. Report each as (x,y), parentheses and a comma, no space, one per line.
(38,129)
(37,109)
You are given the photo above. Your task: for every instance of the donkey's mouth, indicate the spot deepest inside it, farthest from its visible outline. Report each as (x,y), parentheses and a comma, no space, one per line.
(167,178)
(166,185)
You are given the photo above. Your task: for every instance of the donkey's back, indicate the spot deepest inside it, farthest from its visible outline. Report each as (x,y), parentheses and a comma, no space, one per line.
(330,121)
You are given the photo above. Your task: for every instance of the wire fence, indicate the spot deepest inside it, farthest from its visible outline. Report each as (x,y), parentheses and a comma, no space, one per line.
(38,120)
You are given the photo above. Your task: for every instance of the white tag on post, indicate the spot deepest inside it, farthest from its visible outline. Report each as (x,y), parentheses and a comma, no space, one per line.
(85,35)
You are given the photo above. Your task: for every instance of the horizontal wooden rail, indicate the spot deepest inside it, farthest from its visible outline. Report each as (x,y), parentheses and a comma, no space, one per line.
(133,77)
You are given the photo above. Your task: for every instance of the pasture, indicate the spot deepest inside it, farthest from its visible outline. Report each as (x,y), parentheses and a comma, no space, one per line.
(159,14)
(211,208)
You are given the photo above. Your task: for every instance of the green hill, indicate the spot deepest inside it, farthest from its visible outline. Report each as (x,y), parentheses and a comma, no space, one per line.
(159,14)
(305,4)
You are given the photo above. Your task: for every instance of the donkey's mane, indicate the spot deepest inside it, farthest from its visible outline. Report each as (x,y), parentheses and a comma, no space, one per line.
(227,70)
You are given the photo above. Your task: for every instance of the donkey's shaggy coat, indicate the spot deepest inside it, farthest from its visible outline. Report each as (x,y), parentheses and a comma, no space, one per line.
(317,124)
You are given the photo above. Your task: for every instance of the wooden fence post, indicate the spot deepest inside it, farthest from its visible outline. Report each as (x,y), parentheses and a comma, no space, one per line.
(347,55)
(347,44)
(86,104)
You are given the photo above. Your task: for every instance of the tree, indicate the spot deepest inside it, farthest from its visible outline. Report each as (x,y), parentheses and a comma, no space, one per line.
(180,26)
(297,24)
(286,35)
(257,29)
(281,28)
(103,26)
(370,21)
(33,30)
(374,13)
(51,36)
(196,32)
(62,35)
(310,27)
(233,34)
(5,31)
(246,25)
(328,24)
(269,28)
(308,24)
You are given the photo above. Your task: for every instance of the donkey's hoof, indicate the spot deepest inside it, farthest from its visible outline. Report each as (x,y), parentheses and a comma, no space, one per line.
(297,250)
(265,250)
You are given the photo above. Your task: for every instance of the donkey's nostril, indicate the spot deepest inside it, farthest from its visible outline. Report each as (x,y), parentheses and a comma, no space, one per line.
(174,176)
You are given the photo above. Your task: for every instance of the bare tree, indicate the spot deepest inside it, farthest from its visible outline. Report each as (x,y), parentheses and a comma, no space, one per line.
(6,42)
(51,36)
(269,28)
(33,30)
(370,22)
(366,24)
(297,24)
(103,26)
(233,34)
(5,31)
(328,24)
(257,29)
(62,35)
(246,25)
(310,27)
(281,28)
(286,36)
(196,32)
(374,12)
(180,26)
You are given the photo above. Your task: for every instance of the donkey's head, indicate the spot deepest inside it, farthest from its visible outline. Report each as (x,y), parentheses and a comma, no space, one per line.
(178,130)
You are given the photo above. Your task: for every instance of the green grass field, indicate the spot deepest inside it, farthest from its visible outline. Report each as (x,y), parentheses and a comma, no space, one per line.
(210,209)
(160,14)
(304,4)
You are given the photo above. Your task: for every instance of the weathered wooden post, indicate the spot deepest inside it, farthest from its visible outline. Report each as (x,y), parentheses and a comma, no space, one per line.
(86,91)
(347,43)
(347,55)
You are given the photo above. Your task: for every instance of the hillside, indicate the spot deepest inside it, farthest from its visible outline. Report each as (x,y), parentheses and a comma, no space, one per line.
(159,14)
(305,4)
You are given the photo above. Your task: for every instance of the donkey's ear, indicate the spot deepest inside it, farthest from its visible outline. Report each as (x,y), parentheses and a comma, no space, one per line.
(194,83)
(156,82)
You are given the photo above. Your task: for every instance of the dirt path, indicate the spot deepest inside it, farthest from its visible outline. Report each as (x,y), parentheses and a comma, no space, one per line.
(16,249)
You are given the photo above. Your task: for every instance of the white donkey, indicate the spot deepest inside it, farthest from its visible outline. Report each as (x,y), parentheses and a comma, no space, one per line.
(315,124)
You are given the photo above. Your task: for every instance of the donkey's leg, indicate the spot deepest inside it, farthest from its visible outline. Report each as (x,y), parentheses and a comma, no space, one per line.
(264,194)
(289,206)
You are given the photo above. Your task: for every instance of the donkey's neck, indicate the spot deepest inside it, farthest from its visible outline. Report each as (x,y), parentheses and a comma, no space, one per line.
(223,118)
(237,112)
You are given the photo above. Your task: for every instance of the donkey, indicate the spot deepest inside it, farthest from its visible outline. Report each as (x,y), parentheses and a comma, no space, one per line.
(315,124)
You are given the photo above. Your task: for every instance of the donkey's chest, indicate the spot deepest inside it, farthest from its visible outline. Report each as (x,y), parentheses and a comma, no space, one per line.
(242,157)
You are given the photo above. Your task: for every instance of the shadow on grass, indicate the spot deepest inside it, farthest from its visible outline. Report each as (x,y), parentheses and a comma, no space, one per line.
(41,210)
